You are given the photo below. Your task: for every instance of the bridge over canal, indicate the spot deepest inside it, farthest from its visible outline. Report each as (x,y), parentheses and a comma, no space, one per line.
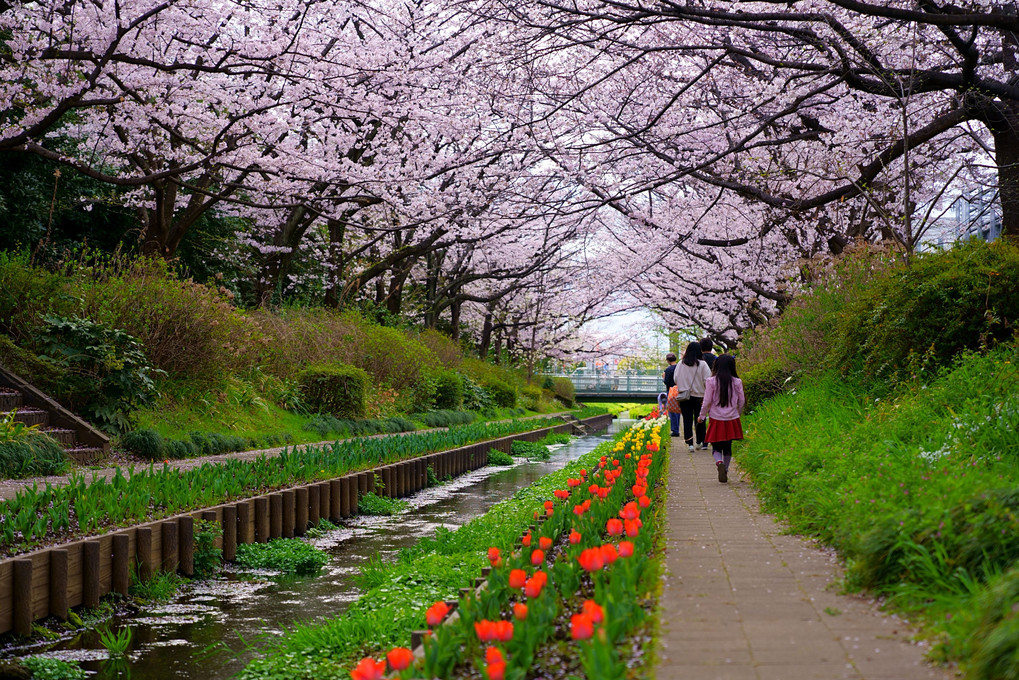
(615,386)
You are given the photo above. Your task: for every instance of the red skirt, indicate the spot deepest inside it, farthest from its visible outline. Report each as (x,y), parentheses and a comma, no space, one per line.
(723,430)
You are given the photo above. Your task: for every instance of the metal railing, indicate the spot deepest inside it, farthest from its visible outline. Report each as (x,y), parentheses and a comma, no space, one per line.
(607,383)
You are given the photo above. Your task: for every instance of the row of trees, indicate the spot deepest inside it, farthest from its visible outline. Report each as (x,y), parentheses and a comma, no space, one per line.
(518,167)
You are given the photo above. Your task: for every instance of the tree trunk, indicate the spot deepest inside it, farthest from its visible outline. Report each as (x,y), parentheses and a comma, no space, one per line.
(454,321)
(1006,153)
(486,336)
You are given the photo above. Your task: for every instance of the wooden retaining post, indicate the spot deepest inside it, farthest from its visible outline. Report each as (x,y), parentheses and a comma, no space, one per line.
(325,496)
(261,519)
(362,484)
(370,476)
(58,583)
(90,574)
(344,497)
(171,547)
(314,504)
(387,481)
(244,528)
(229,533)
(353,492)
(289,513)
(275,515)
(143,552)
(301,510)
(121,581)
(335,501)
(22,596)
(186,527)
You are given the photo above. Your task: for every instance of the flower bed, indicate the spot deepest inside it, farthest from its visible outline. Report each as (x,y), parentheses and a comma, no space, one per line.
(563,598)
(84,507)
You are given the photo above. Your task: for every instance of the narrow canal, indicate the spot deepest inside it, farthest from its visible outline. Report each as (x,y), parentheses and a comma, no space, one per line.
(213,628)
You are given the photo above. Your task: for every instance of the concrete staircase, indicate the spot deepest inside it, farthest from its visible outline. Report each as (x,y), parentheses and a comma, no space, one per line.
(579,428)
(83,443)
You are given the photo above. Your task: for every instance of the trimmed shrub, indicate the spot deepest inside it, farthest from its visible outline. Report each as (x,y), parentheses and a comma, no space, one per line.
(449,390)
(503,394)
(336,389)
(146,443)
(564,391)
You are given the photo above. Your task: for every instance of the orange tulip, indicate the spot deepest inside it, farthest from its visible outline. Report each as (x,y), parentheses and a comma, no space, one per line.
(520,611)
(545,542)
(581,626)
(533,587)
(494,556)
(574,537)
(399,658)
(369,669)
(493,655)
(496,671)
(644,502)
(594,610)
(614,527)
(504,630)
(625,549)
(436,613)
(591,559)
(537,557)
(517,578)
(608,553)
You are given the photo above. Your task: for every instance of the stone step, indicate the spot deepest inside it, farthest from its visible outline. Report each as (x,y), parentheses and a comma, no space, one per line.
(85,455)
(9,399)
(68,438)
(28,415)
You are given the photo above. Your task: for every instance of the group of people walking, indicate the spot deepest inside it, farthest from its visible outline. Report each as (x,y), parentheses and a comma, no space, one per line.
(702,387)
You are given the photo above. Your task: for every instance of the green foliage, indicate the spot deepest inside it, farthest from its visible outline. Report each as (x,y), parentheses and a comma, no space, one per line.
(445,418)
(320,529)
(531,450)
(115,642)
(991,651)
(146,443)
(564,391)
(497,457)
(336,389)
(162,587)
(325,425)
(449,390)
(43,374)
(45,668)
(285,555)
(592,411)
(370,504)
(106,374)
(503,394)
(764,380)
(476,398)
(208,559)
(26,451)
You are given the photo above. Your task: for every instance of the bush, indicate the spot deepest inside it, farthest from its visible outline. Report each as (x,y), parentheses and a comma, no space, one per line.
(208,559)
(530,397)
(996,637)
(45,668)
(449,390)
(445,418)
(443,347)
(503,394)
(476,397)
(286,555)
(497,457)
(564,391)
(106,373)
(370,504)
(763,381)
(146,443)
(31,457)
(337,389)
(45,375)
(26,294)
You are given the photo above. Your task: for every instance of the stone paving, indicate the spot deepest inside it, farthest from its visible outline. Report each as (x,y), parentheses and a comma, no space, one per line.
(742,601)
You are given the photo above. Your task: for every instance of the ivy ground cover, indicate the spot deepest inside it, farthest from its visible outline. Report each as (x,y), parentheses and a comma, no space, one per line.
(561,598)
(398,595)
(83,507)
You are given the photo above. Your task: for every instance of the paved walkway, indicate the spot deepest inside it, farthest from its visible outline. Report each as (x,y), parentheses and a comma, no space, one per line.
(742,601)
(10,487)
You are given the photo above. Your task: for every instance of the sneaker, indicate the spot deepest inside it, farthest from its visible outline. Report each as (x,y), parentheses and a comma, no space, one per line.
(722,474)
(704,447)
(692,449)
(673,434)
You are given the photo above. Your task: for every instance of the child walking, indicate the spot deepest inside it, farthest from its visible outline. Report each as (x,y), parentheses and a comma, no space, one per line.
(723,404)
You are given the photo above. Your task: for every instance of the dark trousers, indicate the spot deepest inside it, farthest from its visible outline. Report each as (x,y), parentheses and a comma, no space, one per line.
(690,409)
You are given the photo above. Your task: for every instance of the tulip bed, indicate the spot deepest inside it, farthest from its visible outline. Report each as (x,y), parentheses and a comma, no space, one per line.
(563,600)
(83,507)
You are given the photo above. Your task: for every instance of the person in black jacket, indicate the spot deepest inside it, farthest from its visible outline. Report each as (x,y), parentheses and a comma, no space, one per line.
(707,357)
(667,378)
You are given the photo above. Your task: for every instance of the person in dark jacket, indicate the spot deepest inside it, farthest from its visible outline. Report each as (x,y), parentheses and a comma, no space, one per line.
(706,355)
(669,380)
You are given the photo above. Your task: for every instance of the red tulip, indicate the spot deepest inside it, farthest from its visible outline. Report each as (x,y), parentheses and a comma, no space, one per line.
(614,527)
(399,658)
(545,542)
(549,504)
(485,630)
(644,502)
(593,489)
(591,559)
(517,578)
(504,630)
(496,671)
(520,611)
(436,613)
(494,556)
(608,553)
(632,527)
(526,540)
(533,587)
(583,473)
(603,492)
(537,557)
(369,669)
(574,537)
(493,655)
(594,610)
(578,510)
(630,511)
(581,626)
(625,549)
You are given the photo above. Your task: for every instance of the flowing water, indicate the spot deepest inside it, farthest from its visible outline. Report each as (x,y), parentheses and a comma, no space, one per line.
(211,629)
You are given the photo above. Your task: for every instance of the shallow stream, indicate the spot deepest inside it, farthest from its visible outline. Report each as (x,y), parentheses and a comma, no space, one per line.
(212,629)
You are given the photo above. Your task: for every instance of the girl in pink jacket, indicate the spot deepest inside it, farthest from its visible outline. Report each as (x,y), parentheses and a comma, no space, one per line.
(723,404)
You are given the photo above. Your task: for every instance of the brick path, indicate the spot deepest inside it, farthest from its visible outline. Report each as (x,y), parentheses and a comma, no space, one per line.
(742,601)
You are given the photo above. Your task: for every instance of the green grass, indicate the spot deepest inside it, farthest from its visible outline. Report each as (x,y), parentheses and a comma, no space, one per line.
(400,591)
(917,487)
(370,504)
(285,555)
(497,457)
(44,668)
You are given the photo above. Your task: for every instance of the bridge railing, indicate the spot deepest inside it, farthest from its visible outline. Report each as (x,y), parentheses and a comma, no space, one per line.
(607,383)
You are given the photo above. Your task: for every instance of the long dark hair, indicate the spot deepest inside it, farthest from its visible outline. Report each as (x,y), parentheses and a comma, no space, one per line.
(724,371)
(692,354)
